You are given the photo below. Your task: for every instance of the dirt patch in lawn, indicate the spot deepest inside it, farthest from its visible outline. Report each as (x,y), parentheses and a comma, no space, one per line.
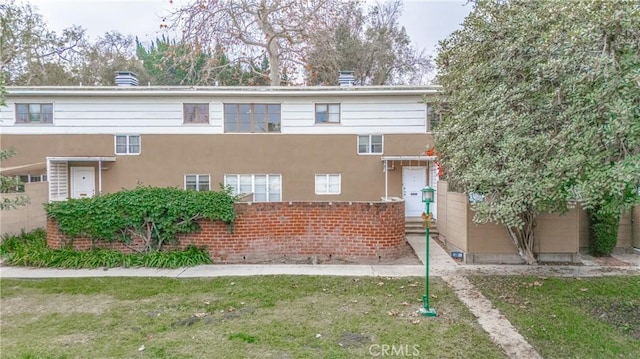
(624,316)
(354,340)
(46,304)
(610,262)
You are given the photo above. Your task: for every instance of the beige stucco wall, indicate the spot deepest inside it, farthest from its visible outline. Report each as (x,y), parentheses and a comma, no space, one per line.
(165,159)
(441,194)
(27,217)
(625,230)
(558,237)
(635,227)
(456,217)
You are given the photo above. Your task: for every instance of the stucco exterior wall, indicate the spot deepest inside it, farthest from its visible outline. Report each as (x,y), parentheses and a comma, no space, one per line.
(635,227)
(441,194)
(28,217)
(625,230)
(452,218)
(165,160)
(558,237)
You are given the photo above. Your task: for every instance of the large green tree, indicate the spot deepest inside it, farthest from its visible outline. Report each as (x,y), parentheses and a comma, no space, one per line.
(370,43)
(8,183)
(543,108)
(251,29)
(28,49)
(33,55)
(178,63)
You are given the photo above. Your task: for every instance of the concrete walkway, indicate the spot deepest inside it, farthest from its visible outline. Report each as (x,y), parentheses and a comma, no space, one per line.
(222,270)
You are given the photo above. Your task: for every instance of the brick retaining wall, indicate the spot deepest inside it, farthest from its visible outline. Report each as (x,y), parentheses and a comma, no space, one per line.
(353,231)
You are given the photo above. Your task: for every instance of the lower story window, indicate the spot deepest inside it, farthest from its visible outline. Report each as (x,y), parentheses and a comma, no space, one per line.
(265,188)
(328,184)
(197,182)
(17,185)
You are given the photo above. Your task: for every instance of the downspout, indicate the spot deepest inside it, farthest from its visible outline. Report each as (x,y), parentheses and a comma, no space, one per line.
(99,176)
(386,180)
(48,179)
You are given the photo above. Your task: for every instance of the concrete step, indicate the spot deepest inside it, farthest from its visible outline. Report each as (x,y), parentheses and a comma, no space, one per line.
(416,227)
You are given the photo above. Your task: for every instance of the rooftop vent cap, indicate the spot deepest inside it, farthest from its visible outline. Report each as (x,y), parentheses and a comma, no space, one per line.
(126,78)
(346,78)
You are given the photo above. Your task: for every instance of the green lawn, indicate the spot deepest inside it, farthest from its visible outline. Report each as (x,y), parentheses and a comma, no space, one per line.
(248,317)
(571,317)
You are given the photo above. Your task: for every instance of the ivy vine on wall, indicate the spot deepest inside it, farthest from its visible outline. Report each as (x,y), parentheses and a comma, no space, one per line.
(154,215)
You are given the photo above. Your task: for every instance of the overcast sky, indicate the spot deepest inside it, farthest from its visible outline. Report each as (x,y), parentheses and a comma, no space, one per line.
(426,21)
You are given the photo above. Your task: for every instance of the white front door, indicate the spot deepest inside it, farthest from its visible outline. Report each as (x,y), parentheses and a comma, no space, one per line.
(83,182)
(413,180)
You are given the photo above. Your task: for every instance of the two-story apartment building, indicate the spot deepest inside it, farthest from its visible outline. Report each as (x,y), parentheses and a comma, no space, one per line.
(276,143)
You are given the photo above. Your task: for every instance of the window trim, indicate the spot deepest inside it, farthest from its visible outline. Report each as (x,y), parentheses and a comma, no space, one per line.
(370,138)
(195,104)
(328,176)
(253,184)
(20,184)
(328,104)
(29,122)
(252,104)
(115,144)
(197,181)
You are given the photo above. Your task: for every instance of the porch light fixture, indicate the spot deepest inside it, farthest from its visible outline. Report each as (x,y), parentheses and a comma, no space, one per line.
(427,197)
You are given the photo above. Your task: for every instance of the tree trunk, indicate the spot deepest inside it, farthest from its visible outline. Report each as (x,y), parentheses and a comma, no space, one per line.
(523,237)
(273,54)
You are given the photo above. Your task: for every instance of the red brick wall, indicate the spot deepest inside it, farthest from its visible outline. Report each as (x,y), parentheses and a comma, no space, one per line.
(353,231)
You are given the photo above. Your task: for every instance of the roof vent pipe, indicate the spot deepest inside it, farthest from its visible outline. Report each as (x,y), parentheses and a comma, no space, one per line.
(346,78)
(126,78)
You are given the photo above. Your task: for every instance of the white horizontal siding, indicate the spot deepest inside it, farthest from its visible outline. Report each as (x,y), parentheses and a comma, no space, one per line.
(118,113)
(358,115)
(152,115)
(356,130)
(116,106)
(216,116)
(110,130)
(7,115)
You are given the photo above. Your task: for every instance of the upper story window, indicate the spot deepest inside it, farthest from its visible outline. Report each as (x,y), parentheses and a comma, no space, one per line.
(196,112)
(370,144)
(327,113)
(34,113)
(251,118)
(197,182)
(433,117)
(127,144)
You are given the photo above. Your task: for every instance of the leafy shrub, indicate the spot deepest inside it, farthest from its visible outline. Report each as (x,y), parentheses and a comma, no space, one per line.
(30,249)
(603,230)
(155,215)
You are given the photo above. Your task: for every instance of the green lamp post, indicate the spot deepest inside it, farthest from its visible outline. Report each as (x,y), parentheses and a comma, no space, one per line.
(427,197)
